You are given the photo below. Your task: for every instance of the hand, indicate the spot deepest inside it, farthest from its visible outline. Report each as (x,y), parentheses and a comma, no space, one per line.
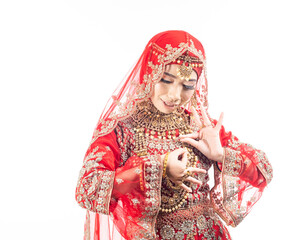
(209,140)
(176,169)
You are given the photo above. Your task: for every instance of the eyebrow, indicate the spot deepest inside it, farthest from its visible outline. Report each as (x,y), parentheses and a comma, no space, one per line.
(171,75)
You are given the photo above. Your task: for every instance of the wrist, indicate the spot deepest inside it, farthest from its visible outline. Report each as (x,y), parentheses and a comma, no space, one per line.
(221,156)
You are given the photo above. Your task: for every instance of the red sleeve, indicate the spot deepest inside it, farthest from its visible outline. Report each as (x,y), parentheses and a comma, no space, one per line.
(244,161)
(129,190)
(240,180)
(96,177)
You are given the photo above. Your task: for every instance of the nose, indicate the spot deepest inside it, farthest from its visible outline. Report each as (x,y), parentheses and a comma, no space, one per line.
(174,94)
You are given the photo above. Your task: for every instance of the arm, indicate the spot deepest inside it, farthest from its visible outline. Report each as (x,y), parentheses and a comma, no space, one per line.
(136,195)
(244,161)
(239,180)
(241,171)
(129,192)
(96,177)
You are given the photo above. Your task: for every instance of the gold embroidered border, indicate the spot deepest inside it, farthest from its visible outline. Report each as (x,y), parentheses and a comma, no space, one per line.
(264,166)
(232,163)
(152,178)
(94,193)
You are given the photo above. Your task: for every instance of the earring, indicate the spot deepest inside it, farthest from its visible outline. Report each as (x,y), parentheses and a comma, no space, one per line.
(194,100)
(180,109)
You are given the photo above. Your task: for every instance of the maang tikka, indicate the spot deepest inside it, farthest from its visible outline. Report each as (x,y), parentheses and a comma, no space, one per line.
(187,64)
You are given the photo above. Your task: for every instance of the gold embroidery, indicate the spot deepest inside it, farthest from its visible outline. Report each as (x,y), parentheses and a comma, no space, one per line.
(264,166)
(198,221)
(232,162)
(119,180)
(152,176)
(94,184)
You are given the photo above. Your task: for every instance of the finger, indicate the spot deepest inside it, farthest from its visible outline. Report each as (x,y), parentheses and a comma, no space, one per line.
(196,117)
(202,146)
(179,151)
(201,133)
(190,141)
(193,180)
(195,170)
(206,120)
(184,159)
(186,188)
(219,124)
(191,135)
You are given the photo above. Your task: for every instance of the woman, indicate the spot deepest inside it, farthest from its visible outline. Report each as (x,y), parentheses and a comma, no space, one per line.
(147,163)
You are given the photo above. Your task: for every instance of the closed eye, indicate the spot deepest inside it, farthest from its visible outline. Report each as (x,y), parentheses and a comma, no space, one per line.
(189,87)
(165,81)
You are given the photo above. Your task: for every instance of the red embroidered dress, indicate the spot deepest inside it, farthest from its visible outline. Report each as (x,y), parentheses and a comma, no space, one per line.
(116,180)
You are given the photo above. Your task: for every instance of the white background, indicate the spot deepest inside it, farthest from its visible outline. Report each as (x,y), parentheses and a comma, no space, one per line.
(60,60)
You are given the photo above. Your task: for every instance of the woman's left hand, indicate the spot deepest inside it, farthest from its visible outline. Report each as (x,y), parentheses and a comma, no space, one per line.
(207,140)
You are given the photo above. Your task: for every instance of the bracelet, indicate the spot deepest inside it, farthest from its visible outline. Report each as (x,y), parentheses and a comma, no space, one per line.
(165,165)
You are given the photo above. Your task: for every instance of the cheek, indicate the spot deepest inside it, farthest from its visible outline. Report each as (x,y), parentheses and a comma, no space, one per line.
(159,90)
(186,95)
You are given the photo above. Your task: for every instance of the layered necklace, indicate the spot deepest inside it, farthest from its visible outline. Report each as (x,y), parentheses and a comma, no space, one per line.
(151,124)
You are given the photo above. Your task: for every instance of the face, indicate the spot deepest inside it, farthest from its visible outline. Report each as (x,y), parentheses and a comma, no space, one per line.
(171,92)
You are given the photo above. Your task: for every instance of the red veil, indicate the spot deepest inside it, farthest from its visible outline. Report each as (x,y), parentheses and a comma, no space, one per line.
(233,194)
(161,50)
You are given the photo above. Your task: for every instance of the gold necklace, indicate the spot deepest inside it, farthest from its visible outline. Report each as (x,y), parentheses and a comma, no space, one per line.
(150,123)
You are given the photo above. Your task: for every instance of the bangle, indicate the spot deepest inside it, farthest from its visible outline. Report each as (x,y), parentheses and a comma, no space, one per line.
(165,165)
(141,178)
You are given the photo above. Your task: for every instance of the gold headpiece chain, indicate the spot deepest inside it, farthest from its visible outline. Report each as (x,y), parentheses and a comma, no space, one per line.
(186,68)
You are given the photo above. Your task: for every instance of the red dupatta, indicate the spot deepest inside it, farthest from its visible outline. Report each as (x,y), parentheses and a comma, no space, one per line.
(164,48)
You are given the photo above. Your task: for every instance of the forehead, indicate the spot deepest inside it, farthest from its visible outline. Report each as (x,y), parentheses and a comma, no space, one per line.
(172,69)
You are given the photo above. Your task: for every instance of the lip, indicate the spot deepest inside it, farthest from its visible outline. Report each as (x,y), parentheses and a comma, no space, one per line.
(169,105)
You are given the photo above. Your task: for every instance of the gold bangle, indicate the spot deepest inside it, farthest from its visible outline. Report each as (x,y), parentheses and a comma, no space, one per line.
(141,178)
(165,165)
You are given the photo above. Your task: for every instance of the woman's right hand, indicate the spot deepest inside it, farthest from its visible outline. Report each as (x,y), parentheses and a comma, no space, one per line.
(177,171)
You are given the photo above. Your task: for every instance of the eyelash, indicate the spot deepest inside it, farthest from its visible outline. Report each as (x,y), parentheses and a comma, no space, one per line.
(186,87)
(189,87)
(165,81)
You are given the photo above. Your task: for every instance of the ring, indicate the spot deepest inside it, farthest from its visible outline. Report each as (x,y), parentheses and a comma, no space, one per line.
(185,176)
(188,174)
